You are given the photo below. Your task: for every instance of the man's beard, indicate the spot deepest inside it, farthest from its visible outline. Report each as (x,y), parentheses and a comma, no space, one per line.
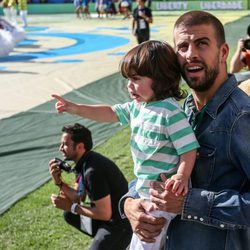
(204,83)
(67,157)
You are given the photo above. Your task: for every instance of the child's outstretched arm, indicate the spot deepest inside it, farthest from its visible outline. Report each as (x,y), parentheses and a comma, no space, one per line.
(178,183)
(100,113)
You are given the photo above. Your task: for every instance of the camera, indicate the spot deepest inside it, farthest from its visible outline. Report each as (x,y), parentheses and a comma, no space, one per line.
(63,165)
(247,44)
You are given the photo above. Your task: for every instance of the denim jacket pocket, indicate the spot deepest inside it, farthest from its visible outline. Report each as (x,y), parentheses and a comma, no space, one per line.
(204,167)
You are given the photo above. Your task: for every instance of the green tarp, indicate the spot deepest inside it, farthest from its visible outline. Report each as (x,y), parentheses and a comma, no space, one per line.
(30,139)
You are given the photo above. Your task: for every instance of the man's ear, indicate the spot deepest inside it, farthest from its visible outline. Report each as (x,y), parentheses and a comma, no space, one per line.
(81,146)
(224,52)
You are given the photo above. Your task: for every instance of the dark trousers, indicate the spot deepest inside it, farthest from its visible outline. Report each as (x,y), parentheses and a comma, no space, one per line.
(142,35)
(106,236)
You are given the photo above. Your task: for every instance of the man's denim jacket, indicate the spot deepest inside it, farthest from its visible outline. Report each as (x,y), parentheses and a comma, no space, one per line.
(216,211)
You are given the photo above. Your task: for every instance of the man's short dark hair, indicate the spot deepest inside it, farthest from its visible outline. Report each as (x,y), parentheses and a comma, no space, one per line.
(248,30)
(200,17)
(79,134)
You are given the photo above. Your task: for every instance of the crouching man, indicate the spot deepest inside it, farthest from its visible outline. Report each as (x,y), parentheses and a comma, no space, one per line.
(101,181)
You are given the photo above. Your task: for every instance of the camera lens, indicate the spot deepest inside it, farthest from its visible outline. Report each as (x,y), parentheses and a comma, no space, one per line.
(63,165)
(247,44)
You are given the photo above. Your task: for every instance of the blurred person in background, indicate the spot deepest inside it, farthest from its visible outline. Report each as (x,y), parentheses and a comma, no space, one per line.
(23,11)
(85,6)
(241,57)
(125,8)
(78,8)
(142,17)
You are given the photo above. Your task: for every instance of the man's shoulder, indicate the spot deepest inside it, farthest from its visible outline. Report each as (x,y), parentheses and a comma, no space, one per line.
(229,92)
(97,159)
(235,105)
(100,166)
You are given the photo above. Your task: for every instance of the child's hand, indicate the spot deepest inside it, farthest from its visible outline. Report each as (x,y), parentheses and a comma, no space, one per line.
(63,105)
(178,184)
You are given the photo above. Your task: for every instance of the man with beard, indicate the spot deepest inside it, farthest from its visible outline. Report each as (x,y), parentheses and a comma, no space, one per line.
(101,181)
(215,213)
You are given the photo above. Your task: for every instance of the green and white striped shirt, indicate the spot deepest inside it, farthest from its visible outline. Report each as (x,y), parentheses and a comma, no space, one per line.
(160,132)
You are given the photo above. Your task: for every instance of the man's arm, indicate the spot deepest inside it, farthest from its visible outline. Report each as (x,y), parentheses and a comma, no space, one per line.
(227,208)
(211,208)
(134,26)
(70,192)
(101,211)
(64,188)
(236,64)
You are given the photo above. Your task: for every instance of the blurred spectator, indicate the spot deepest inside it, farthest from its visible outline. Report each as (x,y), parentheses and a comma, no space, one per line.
(125,8)
(101,6)
(85,6)
(6,41)
(9,10)
(23,11)
(78,8)
(111,7)
(10,35)
(241,57)
(142,17)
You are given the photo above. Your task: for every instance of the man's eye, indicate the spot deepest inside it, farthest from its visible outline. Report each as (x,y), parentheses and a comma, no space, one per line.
(202,43)
(182,48)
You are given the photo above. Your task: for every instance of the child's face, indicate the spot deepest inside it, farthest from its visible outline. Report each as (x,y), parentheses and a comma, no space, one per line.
(140,88)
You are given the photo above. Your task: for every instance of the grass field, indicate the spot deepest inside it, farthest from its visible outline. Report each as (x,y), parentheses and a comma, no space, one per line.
(33,223)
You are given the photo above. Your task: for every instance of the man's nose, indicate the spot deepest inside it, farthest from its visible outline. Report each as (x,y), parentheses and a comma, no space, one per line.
(191,53)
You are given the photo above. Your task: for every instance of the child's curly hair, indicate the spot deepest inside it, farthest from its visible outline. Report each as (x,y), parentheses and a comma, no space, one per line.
(158,61)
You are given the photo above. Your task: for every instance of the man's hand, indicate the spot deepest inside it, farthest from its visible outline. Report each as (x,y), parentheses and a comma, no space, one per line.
(240,44)
(145,226)
(61,202)
(164,199)
(55,172)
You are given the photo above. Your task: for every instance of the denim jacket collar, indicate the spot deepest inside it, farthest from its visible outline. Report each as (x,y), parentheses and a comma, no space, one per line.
(220,97)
